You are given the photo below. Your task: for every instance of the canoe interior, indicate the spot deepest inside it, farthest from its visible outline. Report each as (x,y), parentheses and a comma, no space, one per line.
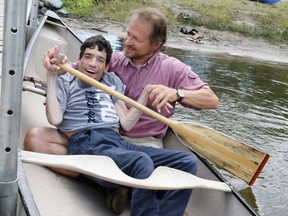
(55,194)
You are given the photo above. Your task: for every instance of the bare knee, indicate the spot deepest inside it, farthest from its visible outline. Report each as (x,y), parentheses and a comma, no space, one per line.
(50,141)
(32,139)
(45,140)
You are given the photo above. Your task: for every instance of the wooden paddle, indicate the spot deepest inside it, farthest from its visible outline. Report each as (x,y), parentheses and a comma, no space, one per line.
(103,167)
(238,158)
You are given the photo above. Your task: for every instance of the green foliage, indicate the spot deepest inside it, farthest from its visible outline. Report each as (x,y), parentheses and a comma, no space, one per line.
(80,7)
(246,17)
(249,18)
(111,9)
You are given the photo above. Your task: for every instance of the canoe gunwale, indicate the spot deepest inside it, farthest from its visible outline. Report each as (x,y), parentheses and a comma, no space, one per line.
(25,193)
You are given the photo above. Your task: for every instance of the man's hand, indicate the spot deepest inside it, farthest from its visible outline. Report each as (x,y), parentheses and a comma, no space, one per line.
(161,96)
(50,58)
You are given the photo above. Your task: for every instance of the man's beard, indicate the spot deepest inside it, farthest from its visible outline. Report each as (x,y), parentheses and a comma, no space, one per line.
(130,53)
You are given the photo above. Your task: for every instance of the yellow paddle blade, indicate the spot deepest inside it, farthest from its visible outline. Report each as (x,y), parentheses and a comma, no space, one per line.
(238,158)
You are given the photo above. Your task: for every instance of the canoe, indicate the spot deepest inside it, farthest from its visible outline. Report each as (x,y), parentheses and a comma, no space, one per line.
(44,192)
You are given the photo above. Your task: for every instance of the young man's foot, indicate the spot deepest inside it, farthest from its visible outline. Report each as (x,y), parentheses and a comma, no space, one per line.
(117,199)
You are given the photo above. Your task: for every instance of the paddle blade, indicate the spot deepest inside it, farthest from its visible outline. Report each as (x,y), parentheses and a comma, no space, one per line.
(237,158)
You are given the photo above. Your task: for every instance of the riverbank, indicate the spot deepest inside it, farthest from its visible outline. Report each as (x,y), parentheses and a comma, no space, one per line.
(213,40)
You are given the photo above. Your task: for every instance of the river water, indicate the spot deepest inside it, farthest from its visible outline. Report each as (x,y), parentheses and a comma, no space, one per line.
(253,109)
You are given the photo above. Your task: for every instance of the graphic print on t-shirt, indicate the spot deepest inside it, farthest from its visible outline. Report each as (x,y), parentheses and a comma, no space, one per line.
(100,107)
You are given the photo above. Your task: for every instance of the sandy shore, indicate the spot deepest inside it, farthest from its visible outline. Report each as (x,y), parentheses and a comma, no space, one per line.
(213,41)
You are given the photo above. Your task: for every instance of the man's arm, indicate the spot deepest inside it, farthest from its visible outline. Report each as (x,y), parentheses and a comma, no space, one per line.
(200,99)
(54,113)
(203,98)
(129,117)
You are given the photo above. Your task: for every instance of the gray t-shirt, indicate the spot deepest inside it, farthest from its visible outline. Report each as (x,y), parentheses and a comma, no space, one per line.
(85,106)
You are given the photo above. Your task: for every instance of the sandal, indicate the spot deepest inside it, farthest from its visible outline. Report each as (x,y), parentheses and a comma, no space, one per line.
(198,41)
(193,31)
(195,34)
(184,30)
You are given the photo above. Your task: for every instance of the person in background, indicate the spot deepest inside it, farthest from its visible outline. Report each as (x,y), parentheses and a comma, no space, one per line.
(89,118)
(140,64)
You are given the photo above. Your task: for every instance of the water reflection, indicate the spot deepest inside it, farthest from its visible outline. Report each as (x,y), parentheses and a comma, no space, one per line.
(253,109)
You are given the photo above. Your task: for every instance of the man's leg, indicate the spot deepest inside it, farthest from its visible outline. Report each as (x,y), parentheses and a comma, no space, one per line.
(49,141)
(136,164)
(172,202)
(147,141)
(52,141)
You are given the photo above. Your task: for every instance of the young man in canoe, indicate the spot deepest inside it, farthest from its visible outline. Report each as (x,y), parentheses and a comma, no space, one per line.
(89,118)
(140,64)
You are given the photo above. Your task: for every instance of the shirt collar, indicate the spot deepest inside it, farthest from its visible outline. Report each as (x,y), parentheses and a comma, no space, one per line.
(149,62)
